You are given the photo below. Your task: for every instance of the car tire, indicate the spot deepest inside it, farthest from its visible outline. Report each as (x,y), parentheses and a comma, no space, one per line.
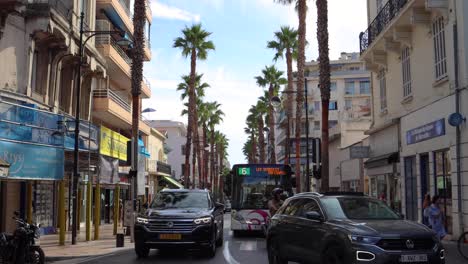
(142,251)
(333,255)
(220,240)
(210,251)
(236,233)
(274,255)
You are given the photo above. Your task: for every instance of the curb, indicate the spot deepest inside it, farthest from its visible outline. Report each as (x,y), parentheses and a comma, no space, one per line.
(62,258)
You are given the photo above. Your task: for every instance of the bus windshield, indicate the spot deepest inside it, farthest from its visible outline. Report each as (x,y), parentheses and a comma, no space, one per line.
(254,183)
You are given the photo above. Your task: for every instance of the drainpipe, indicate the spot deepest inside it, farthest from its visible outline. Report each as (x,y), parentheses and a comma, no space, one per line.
(457,129)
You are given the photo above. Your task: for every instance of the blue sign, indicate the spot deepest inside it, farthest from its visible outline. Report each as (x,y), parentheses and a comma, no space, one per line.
(426,132)
(29,161)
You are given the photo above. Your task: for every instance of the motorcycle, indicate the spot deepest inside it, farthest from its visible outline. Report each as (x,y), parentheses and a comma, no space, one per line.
(21,247)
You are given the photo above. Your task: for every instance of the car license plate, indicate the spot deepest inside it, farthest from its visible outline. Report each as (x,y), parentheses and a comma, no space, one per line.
(170,236)
(413,258)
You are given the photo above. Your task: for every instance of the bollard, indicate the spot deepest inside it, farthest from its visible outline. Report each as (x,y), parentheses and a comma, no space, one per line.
(119,240)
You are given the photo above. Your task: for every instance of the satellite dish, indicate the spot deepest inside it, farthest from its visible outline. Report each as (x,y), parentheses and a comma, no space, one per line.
(456,119)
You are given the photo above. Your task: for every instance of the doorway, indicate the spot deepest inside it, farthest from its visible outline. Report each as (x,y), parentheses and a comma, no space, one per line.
(411,190)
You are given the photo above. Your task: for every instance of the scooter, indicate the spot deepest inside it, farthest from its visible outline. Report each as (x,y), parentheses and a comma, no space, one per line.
(21,247)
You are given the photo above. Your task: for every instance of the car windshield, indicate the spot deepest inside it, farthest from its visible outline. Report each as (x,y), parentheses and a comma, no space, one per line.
(167,200)
(359,208)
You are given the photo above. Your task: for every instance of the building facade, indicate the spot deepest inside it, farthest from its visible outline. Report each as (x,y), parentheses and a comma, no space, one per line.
(40,42)
(417,52)
(349,109)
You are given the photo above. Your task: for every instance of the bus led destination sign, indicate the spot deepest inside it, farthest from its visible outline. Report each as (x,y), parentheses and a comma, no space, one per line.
(253,170)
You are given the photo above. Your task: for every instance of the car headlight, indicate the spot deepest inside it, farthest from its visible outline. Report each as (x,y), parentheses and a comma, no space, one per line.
(142,220)
(363,239)
(203,220)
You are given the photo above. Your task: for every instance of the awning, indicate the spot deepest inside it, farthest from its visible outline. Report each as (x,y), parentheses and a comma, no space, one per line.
(4,163)
(382,160)
(175,184)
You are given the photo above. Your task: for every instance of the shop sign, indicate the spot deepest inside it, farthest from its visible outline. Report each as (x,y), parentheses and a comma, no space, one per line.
(109,170)
(359,152)
(426,132)
(29,161)
(113,144)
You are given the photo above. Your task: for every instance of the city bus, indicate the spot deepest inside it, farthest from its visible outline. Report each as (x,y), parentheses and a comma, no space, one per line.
(252,186)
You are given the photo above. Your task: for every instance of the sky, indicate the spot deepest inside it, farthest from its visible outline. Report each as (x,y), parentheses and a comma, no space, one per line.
(240,30)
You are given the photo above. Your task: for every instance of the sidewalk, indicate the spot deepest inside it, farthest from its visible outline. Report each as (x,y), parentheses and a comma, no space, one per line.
(105,245)
(452,254)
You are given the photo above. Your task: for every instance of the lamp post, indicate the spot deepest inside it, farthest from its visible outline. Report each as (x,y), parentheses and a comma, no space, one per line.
(82,44)
(276,102)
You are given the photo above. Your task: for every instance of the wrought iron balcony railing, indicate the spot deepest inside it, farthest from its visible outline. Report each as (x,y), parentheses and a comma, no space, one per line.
(63,7)
(385,16)
(106,93)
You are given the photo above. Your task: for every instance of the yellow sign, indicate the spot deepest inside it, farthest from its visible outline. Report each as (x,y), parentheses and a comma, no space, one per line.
(113,144)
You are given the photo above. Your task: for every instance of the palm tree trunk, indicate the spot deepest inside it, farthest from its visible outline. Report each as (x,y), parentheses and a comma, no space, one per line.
(212,157)
(137,77)
(288,105)
(271,134)
(196,144)
(254,148)
(192,106)
(261,139)
(205,155)
(302,8)
(322,38)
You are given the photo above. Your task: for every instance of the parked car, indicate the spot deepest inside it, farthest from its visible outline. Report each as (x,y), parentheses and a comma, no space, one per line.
(347,228)
(180,218)
(227,206)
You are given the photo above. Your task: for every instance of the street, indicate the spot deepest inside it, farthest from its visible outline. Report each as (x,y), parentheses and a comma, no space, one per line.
(245,249)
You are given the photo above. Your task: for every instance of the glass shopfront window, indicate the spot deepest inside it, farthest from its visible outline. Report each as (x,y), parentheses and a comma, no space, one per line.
(443,186)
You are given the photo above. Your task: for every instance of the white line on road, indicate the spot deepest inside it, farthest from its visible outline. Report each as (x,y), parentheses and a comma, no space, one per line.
(248,246)
(227,254)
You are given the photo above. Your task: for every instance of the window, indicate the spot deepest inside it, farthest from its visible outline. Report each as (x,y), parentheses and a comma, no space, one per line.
(291,208)
(33,83)
(317,105)
(348,104)
(443,179)
(364,87)
(332,105)
(316,125)
(383,90)
(333,87)
(440,57)
(305,206)
(349,87)
(182,149)
(406,69)
(354,68)
(332,123)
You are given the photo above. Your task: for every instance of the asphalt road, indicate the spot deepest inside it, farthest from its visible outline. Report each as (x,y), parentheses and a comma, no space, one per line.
(244,249)
(236,250)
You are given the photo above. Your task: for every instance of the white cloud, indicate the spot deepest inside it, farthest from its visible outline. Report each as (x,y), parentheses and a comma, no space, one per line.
(161,10)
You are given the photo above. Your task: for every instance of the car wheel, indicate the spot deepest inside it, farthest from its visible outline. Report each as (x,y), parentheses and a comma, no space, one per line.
(274,254)
(333,255)
(220,240)
(236,233)
(142,251)
(211,249)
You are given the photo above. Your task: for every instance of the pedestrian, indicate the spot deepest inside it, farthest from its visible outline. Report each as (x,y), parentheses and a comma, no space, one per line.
(436,218)
(275,202)
(426,209)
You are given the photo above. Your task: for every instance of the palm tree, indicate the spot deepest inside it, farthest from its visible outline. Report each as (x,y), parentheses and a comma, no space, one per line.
(286,43)
(324,64)
(272,78)
(200,93)
(261,111)
(194,43)
(251,130)
(221,145)
(247,151)
(301,8)
(214,120)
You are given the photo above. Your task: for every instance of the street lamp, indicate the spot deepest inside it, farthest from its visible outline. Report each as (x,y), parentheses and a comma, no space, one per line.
(124,41)
(276,103)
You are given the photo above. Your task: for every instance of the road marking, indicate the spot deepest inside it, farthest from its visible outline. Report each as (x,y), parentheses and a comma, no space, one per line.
(248,246)
(227,255)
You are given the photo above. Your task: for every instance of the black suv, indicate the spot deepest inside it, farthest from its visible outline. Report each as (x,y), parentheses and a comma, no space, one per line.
(345,228)
(180,218)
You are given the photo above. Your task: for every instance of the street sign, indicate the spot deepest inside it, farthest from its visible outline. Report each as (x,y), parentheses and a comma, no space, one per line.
(359,152)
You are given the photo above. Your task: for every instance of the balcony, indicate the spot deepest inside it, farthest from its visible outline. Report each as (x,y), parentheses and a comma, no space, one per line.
(380,23)
(147,49)
(111,108)
(119,9)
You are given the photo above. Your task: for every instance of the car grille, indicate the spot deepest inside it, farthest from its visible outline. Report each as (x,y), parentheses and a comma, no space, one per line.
(179,225)
(402,244)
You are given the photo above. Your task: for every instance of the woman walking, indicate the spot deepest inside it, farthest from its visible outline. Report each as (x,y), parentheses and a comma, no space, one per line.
(436,218)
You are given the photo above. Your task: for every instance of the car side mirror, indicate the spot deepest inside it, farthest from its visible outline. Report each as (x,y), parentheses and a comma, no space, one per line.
(314,215)
(219,206)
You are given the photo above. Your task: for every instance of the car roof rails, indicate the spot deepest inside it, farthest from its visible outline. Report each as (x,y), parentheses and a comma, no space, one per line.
(309,193)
